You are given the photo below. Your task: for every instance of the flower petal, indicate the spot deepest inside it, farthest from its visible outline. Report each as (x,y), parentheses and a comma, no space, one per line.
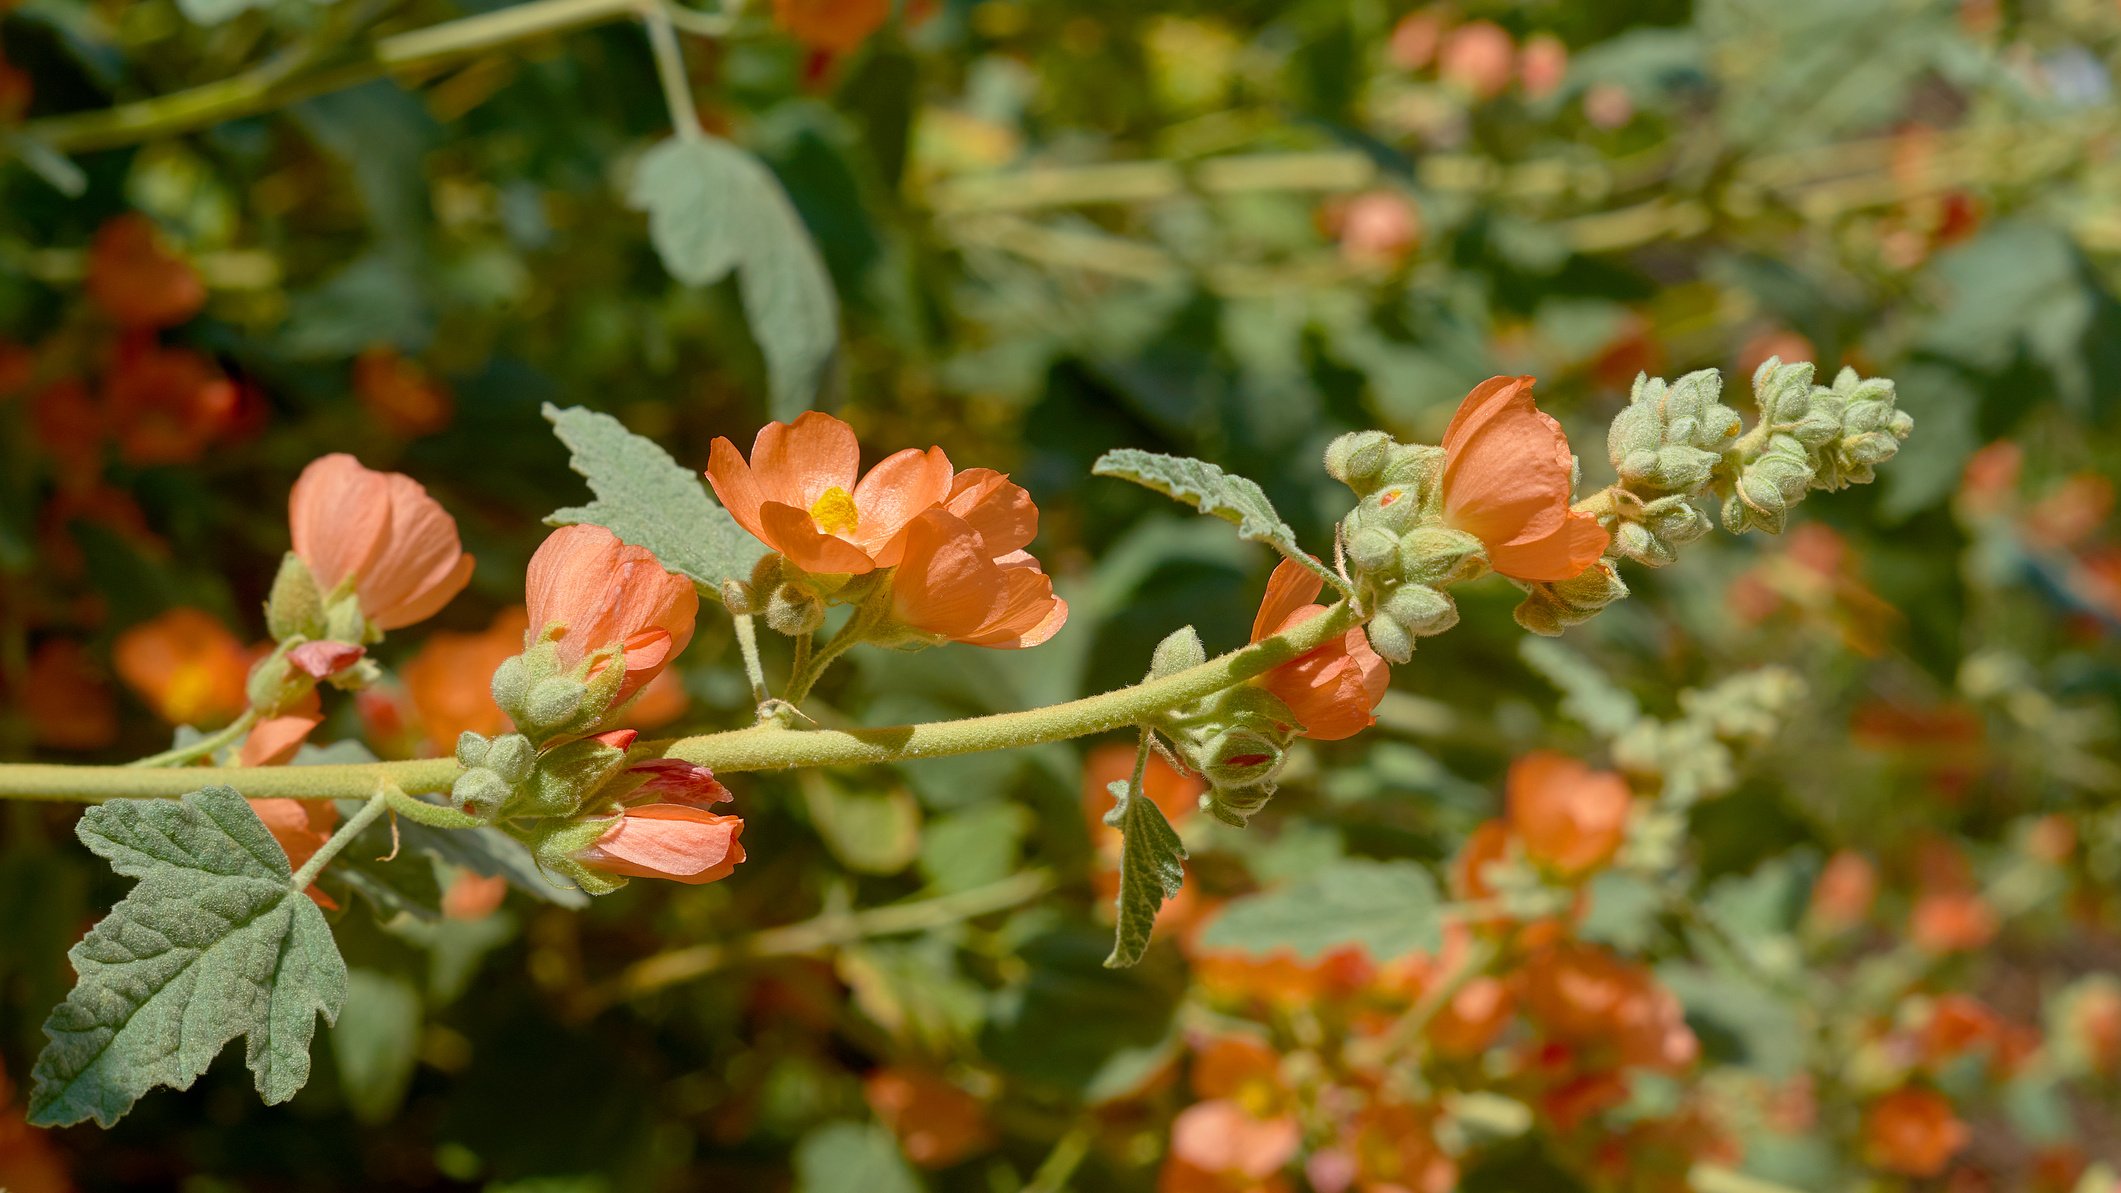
(794,463)
(791,532)
(339,513)
(734,485)
(1002,513)
(678,842)
(945,583)
(892,494)
(1572,546)
(273,741)
(1291,587)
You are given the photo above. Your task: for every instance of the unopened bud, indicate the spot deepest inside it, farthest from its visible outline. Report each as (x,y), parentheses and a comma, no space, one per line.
(1372,548)
(472,749)
(738,597)
(344,621)
(567,776)
(480,792)
(1420,610)
(1392,643)
(295,608)
(275,684)
(794,609)
(1243,758)
(558,846)
(510,756)
(1179,650)
(1236,806)
(552,703)
(1438,555)
(1358,459)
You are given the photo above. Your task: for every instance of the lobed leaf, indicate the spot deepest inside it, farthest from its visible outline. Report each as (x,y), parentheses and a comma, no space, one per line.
(649,500)
(215,942)
(1387,909)
(1151,870)
(713,208)
(1209,489)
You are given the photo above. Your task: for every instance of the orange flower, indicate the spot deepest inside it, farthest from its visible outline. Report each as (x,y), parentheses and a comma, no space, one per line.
(69,702)
(274,740)
(937,1124)
(1951,922)
(136,280)
(1569,818)
(448,679)
(379,533)
(1470,1023)
(603,593)
(1843,895)
(799,496)
(1913,1132)
(401,395)
(1332,689)
(473,896)
(1245,1125)
(679,842)
(1392,1148)
(186,665)
(1591,999)
(167,405)
(955,582)
(301,826)
(832,26)
(1506,480)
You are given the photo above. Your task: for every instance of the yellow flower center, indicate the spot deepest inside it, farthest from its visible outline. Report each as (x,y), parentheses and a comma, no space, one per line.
(188,696)
(834,512)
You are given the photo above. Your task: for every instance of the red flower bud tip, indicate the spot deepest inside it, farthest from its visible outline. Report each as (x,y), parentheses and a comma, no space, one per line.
(1506,480)
(673,841)
(675,781)
(381,531)
(617,739)
(322,660)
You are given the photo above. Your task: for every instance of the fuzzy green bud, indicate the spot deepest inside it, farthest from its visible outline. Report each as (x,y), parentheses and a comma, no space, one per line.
(1242,758)
(1180,650)
(275,684)
(1420,610)
(472,749)
(294,608)
(480,792)
(567,776)
(1358,459)
(794,609)
(1390,640)
(1438,555)
(1547,609)
(510,756)
(517,674)
(558,846)
(738,597)
(552,703)
(1372,549)
(1236,806)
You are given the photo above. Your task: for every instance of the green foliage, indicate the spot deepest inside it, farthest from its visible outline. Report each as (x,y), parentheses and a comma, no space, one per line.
(214,943)
(1387,909)
(1209,489)
(1151,867)
(848,1157)
(376,1043)
(645,498)
(713,209)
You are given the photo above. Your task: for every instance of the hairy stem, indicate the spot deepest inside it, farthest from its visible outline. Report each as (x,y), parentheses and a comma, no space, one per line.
(747,644)
(762,747)
(355,825)
(204,747)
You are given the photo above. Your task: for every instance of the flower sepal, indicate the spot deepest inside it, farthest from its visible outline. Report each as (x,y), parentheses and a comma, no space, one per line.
(567,777)
(549,701)
(1550,608)
(294,608)
(559,844)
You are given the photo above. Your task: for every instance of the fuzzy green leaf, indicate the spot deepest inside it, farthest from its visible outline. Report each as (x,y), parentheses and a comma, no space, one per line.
(647,499)
(1151,870)
(1388,909)
(713,208)
(1210,490)
(215,942)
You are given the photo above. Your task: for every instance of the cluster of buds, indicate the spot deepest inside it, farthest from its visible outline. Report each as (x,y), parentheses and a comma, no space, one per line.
(1400,553)
(1237,740)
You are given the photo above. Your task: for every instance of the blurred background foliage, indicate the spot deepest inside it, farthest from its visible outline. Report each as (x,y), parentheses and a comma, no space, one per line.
(1231,231)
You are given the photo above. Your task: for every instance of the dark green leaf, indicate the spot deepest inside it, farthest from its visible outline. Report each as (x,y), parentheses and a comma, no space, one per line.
(215,942)
(1151,869)
(850,1157)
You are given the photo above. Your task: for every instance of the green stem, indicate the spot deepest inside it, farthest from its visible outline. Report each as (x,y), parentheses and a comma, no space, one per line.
(747,644)
(354,827)
(810,666)
(1060,1164)
(270,86)
(202,748)
(670,70)
(762,747)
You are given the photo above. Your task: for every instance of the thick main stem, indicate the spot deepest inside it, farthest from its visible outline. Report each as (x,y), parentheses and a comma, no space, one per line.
(762,747)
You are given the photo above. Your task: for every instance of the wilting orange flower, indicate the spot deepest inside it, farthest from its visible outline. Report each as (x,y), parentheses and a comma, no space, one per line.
(956,582)
(187,666)
(401,395)
(798,494)
(380,532)
(69,702)
(1332,689)
(449,679)
(1913,1132)
(604,593)
(680,842)
(137,280)
(1569,818)
(301,826)
(167,405)
(833,26)
(29,1161)
(1506,480)
(937,1123)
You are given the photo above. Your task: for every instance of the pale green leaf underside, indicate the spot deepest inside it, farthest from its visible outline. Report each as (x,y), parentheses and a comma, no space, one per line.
(1388,909)
(713,208)
(647,499)
(1151,870)
(1209,489)
(213,943)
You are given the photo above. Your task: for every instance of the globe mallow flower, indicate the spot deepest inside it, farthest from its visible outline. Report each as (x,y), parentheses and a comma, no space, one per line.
(589,592)
(799,495)
(1331,689)
(680,842)
(955,582)
(1507,477)
(1569,818)
(379,536)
